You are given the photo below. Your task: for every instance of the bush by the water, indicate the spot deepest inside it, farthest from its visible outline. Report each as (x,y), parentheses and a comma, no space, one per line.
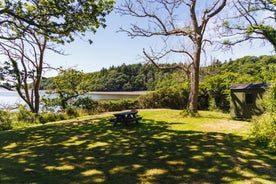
(5,120)
(86,103)
(25,115)
(117,105)
(173,98)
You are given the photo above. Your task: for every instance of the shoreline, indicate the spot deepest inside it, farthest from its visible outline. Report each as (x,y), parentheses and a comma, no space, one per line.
(136,93)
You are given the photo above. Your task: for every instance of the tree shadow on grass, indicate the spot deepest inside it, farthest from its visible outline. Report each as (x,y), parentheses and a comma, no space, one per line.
(96,152)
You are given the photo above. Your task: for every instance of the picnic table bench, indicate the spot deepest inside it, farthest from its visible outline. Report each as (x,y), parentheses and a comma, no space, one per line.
(125,117)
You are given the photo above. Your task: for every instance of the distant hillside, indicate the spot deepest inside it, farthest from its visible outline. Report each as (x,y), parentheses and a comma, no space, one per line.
(249,69)
(146,77)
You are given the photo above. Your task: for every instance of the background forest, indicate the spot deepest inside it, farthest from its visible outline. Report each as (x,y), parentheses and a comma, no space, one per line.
(171,87)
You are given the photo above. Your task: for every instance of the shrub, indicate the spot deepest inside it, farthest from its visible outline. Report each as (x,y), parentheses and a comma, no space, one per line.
(86,103)
(203,99)
(50,104)
(264,128)
(173,98)
(50,117)
(117,105)
(269,101)
(26,116)
(5,120)
(71,112)
(264,131)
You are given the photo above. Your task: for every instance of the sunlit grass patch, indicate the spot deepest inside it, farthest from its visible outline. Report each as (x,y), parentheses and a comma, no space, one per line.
(206,122)
(92,172)
(176,162)
(64,167)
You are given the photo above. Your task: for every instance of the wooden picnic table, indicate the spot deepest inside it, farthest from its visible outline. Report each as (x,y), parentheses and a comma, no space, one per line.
(125,117)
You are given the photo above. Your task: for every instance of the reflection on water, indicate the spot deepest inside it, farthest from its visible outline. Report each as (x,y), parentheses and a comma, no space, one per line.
(10,98)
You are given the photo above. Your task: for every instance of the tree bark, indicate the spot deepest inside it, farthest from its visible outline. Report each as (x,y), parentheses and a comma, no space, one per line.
(194,80)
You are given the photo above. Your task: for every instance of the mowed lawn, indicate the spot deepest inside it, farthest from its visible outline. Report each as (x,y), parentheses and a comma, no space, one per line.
(163,148)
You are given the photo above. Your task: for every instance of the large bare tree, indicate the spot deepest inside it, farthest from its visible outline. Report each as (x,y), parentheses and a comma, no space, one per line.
(182,25)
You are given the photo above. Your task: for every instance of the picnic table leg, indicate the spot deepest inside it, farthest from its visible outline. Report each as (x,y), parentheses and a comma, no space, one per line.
(126,124)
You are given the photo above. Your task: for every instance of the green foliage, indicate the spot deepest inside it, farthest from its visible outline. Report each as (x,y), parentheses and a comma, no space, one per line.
(203,98)
(268,72)
(68,85)
(218,77)
(48,117)
(269,32)
(137,77)
(5,120)
(264,127)
(26,116)
(269,101)
(117,105)
(71,112)
(226,24)
(174,98)
(249,23)
(57,20)
(216,80)
(218,87)
(50,104)
(86,103)
(34,24)
(264,131)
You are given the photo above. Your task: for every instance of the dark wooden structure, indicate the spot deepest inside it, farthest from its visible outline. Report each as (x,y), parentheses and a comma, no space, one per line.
(126,117)
(245,100)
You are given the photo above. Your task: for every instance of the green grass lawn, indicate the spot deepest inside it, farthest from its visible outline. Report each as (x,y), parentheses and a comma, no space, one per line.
(163,148)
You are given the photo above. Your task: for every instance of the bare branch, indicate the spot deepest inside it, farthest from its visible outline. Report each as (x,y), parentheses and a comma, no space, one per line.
(178,66)
(161,18)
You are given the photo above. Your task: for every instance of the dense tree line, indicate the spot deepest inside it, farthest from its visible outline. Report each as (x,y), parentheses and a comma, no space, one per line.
(249,69)
(146,77)
(135,77)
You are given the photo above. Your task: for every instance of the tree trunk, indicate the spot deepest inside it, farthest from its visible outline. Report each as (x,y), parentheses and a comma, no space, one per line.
(193,96)
(37,82)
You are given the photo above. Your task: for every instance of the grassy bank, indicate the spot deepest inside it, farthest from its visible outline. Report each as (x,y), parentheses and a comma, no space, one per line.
(163,148)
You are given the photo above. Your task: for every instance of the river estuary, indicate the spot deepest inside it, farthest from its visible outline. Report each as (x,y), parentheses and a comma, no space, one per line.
(10,98)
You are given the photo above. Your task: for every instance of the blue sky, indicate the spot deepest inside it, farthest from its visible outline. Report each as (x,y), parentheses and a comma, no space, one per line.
(112,48)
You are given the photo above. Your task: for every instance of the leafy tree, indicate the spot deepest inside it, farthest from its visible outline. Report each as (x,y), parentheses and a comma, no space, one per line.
(27,27)
(170,20)
(268,73)
(218,87)
(69,84)
(58,20)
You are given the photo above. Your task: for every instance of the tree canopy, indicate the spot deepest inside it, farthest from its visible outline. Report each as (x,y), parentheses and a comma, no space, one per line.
(59,20)
(69,84)
(28,28)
